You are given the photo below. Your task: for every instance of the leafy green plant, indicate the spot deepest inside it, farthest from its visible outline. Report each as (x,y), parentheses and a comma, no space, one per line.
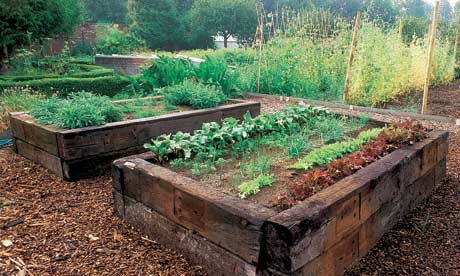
(79,110)
(213,137)
(193,94)
(254,186)
(331,152)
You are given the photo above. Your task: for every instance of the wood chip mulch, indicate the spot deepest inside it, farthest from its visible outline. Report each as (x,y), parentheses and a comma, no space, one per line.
(61,228)
(52,227)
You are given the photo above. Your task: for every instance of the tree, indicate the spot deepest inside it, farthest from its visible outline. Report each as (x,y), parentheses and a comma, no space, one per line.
(114,11)
(23,22)
(413,8)
(381,9)
(445,11)
(161,23)
(226,18)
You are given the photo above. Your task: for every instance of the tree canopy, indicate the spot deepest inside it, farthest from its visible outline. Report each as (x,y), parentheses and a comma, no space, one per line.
(23,22)
(226,18)
(113,11)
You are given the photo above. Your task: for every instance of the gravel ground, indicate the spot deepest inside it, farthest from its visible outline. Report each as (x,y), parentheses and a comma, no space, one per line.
(52,227)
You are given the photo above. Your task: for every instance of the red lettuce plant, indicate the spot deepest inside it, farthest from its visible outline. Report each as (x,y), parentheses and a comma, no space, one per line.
(315,180)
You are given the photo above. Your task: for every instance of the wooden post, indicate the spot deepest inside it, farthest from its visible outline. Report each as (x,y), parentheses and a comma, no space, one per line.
(401,26)
(351,57)
(455,48)
(430,57)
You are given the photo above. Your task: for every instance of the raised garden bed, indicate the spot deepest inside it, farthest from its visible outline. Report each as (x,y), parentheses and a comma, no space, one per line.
(85,152)
(321,235)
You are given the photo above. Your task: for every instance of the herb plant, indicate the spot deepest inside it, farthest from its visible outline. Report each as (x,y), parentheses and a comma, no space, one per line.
(79,110)
(193,94)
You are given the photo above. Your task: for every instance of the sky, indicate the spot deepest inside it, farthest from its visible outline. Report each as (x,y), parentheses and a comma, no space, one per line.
(452,2)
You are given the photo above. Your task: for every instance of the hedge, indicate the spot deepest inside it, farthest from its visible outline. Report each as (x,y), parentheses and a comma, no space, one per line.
(108,86)
(87,71)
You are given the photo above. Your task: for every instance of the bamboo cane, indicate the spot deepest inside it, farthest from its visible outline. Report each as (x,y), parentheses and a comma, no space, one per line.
(351,57)
(430,57)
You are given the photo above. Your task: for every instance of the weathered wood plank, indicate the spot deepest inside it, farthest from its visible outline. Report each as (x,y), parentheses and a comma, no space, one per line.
(47,160)
(25,128)
(234,224)
(199,250)
(78,143)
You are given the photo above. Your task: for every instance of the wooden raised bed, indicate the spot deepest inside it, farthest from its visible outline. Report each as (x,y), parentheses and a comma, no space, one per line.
(86,152)
(323,235)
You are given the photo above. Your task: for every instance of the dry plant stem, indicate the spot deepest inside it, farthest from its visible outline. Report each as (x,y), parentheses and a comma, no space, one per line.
(455,47)
(430,57)
(401,26)
(350,59)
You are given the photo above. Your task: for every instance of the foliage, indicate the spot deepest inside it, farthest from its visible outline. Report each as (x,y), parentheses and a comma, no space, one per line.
(386,68)
(79,110)
(113,11)
(165,24)
(82,48)
(108,86)
(193,94)
(226,18)
(331,152)
(214,71)
(253,187)
(212,137)
(307,57)
(116,41)
(24,22)
(388,140)
(14,100)
(167,71)
(414,28)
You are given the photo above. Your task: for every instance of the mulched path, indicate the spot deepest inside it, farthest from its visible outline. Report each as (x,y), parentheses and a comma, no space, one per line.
(69,228)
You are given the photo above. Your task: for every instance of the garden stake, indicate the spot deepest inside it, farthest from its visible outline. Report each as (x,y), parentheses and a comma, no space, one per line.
(350,59)
(430,57)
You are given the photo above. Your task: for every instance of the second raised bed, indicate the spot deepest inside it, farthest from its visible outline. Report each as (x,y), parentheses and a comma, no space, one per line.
(86,152)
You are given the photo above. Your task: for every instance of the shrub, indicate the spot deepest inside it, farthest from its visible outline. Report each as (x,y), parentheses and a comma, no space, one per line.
(82,48)
(118,42)
(79,110)
(193,94)
(108,86)
(167,71)
(215,71)
(85,71)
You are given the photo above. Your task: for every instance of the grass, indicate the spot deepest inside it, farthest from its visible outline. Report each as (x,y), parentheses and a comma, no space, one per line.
(14,100)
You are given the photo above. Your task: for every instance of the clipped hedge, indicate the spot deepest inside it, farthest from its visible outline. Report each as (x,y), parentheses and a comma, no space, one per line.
(107,86)
(87,71)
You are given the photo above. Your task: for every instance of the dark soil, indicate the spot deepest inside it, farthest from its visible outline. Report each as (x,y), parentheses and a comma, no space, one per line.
(230,177)
(442,101)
